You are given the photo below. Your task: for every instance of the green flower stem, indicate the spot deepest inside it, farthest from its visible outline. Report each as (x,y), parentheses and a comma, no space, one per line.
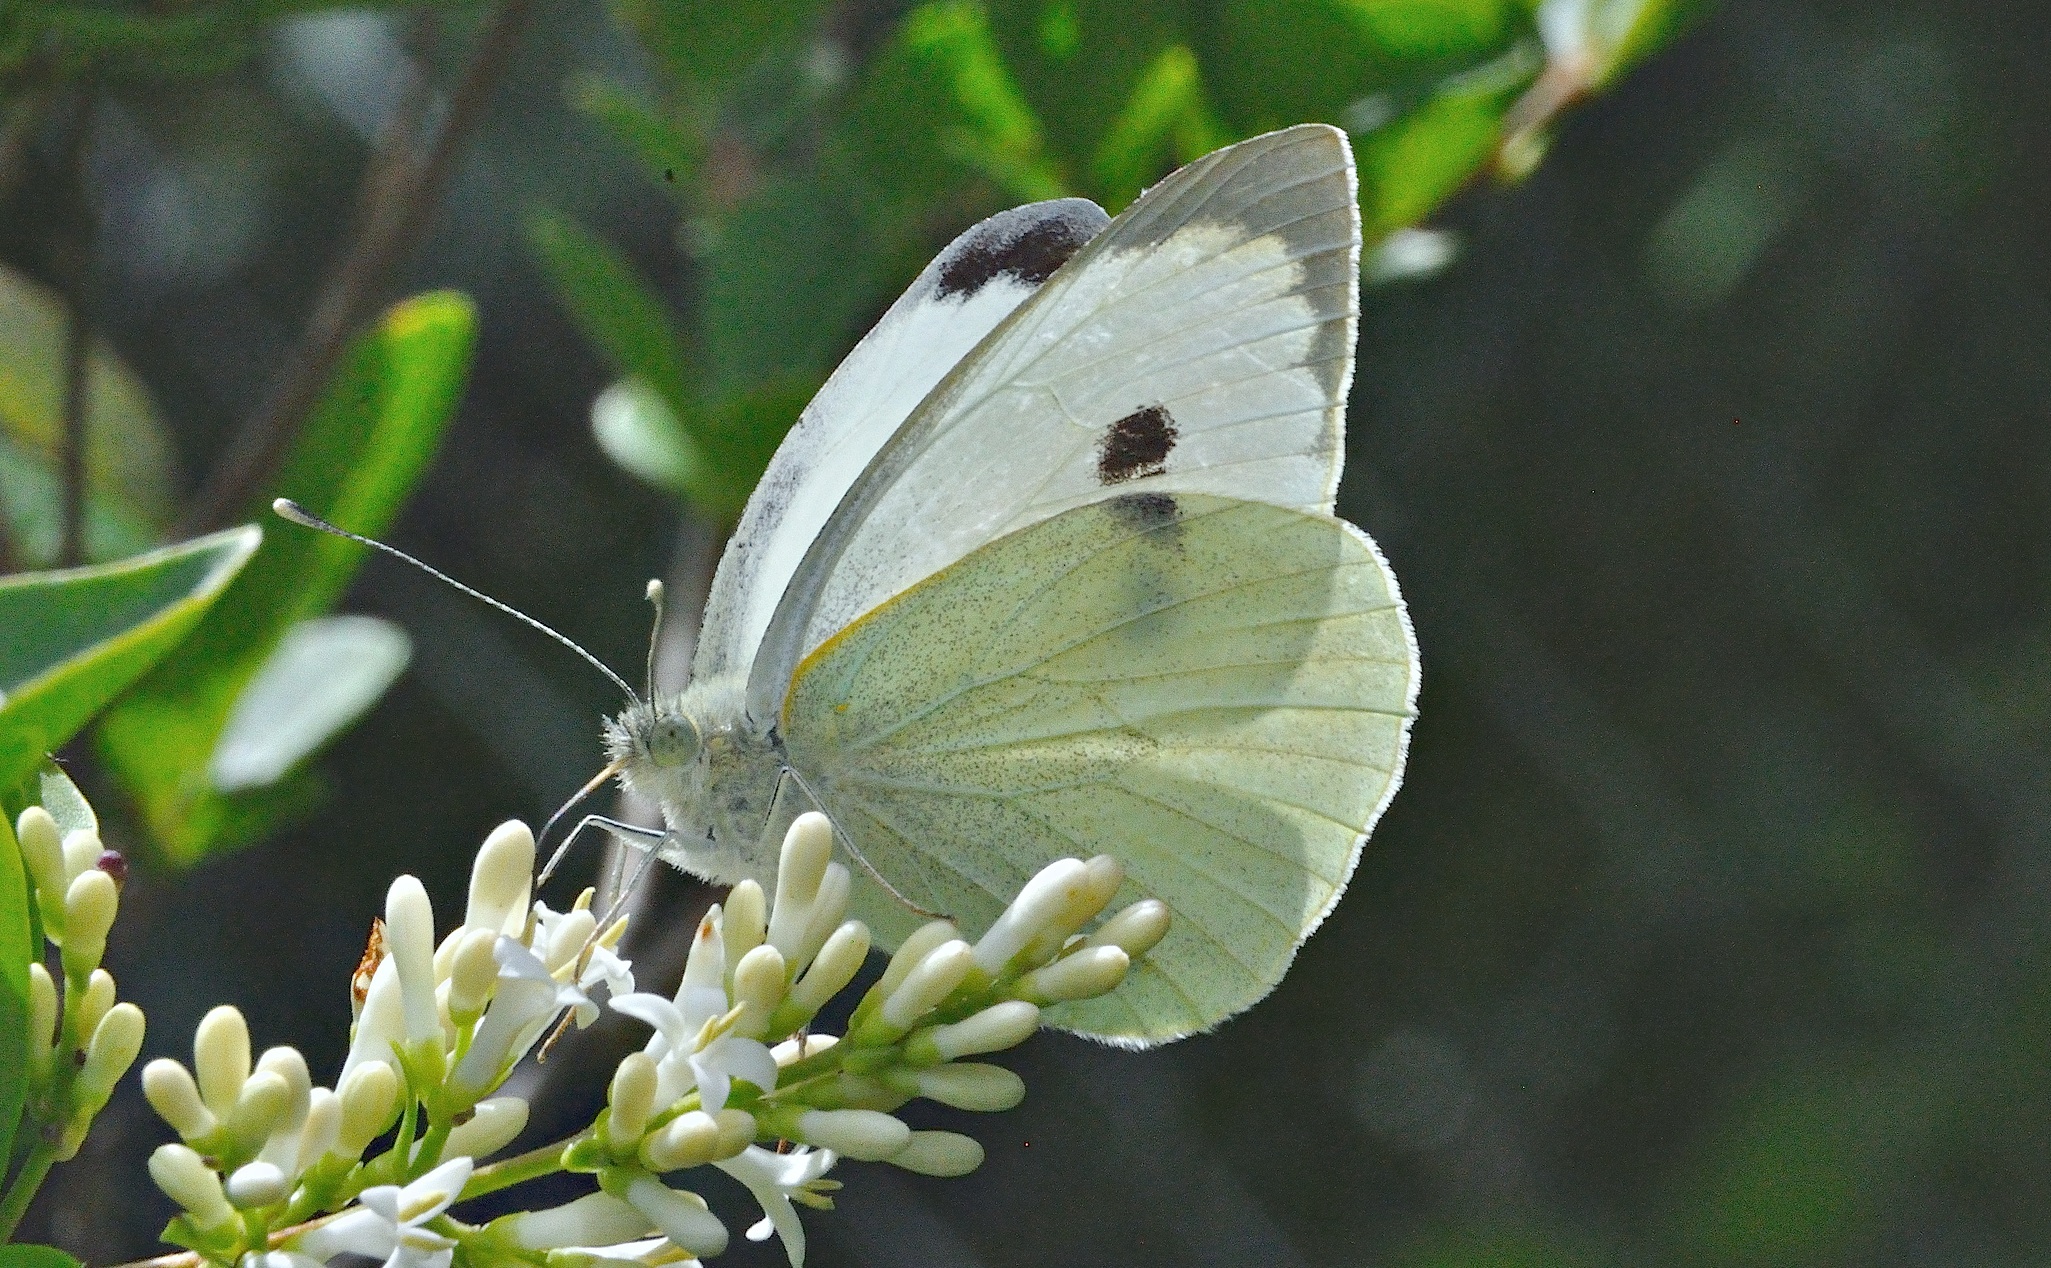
(540,1161)
(26,1181)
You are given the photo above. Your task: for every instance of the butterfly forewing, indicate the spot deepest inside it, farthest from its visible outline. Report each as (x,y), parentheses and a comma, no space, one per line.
(1217,692)
(1202,343)
(968,288)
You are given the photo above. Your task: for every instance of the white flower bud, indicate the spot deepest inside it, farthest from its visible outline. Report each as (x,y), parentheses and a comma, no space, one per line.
(736,1131)
(968,1085)
(688,1140)
(94,1002)
(82,850)
(265,1101)
(492,1125)
(1052,893)
(89,907)
(381,1023)
(939,1154)
(170,1090)
(827,910)
(1083,974)
(258,1184)
(865,1135)
(745,922)
(631,1098)
(705,964)
(115,1042)
(286,1062)
(996,1028)
(807,849)
(42,852)
(1102,876)
(798,1047)
(596,1219)
(220,1058)
(409,944)
(473,971)
(323,1127)
(186,1179)
(912,950)
(758,989)
(370,1101)
(835,966)
(1136,930)
(681,1215)
(42,1013)
(926,985)
(499,880)
(569,938)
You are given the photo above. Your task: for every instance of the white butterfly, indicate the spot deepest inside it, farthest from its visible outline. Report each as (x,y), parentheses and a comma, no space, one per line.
(1049,568)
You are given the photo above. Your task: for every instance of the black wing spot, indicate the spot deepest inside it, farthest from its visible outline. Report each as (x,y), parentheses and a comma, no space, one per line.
(1146,511)
(1136,445)
(1029,256)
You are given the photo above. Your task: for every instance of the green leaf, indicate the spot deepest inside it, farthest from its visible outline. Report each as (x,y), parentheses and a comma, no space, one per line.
(1412,165)
(1166,122)
(995,130)
(375,431)
(614,307)
(709,42)
(670,151)
(26,1256)
(17,948)
(77,638)
(323,675)
(127,450)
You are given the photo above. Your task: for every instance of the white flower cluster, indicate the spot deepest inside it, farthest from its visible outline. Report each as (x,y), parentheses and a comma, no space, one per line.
(80,1041)
(273,1171)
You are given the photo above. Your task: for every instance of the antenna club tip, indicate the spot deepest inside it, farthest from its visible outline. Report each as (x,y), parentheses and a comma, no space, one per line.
(286,508)
(655,590)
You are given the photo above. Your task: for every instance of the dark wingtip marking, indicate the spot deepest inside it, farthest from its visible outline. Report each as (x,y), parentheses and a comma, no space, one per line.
(1029,256)
(1146,510)
(1136,445)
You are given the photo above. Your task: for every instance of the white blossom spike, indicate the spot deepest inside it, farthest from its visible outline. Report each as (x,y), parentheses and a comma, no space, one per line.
(931,981)
(257,1184)
(745,920)
(994,1029)
(409,945)
(186,1179)
(807,850)
(171,1091)
(492,1125)
(970,1085)
(89,907)
(681,1215)
(866,1135)
(370,1102)
(1082,974)
(1135,930)
(1053,892)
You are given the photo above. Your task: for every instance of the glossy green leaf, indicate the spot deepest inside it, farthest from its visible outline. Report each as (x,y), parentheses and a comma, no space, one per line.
(17,947)
(376,429)
(323,675)
(77,638)
(127,451)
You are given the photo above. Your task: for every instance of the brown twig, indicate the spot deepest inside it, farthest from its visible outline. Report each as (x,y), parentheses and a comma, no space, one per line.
(76,265)
(400,198)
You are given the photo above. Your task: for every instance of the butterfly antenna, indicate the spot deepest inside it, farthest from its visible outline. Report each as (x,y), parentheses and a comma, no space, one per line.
(288,509)
(596,782)
(654,632)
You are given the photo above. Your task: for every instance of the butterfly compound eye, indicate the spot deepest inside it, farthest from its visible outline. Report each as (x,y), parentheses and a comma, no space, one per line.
(672,739)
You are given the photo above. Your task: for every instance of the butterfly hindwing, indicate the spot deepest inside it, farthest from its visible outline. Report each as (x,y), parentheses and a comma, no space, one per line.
(1217,692)
(968,288)
(1202,343)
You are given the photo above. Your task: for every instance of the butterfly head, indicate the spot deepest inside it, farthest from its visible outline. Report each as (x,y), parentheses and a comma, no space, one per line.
(654,735)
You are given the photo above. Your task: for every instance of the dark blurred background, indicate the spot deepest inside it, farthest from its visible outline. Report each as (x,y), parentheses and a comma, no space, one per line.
(1711,924)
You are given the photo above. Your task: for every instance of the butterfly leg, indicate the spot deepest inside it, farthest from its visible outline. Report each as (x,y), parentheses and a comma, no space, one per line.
(633,833)
(849,846)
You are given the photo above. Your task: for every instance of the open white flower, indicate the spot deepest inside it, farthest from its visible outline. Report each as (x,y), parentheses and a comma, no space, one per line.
(682,1065)
(390,1222)
(775,1179)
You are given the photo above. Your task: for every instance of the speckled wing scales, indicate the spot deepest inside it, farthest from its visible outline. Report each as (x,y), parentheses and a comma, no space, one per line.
(1202,343)
(980,278)
(1218,692)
